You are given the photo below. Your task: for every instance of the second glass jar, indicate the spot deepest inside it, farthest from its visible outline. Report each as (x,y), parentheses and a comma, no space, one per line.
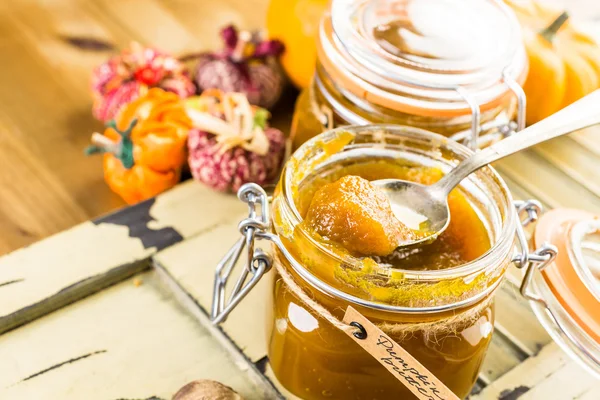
(384,61)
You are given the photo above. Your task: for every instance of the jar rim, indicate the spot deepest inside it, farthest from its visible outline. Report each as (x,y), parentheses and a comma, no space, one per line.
(502,246)
(364,69)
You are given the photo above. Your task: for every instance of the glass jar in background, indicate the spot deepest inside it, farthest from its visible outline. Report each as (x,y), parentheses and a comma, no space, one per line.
(453,67)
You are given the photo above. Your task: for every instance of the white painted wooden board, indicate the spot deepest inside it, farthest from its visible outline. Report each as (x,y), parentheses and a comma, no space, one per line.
(517,322)
(127,342)
(192,265)
(65,267)
(550,375)
(546,182)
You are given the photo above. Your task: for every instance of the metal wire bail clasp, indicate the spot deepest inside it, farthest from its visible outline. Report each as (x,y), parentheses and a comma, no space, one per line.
(499,127)
(531,261)
(257,263)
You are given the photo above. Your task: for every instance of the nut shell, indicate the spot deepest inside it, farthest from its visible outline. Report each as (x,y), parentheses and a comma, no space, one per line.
(205,389)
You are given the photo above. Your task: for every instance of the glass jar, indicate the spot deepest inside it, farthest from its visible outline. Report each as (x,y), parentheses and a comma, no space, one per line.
(449,66)
(565,295)
(444,318)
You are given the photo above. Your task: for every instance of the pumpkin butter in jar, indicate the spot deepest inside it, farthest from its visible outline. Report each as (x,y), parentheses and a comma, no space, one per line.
(340,234)
(422,63)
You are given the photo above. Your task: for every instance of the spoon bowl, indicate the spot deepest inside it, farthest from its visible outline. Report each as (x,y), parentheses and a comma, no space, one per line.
(425,208)
(417,206)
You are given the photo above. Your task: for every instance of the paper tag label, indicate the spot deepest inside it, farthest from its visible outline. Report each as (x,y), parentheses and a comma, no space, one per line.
(398,361)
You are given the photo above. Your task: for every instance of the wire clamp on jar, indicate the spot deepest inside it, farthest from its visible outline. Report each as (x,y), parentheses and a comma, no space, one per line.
(497,129)
(258,262)
(531,261)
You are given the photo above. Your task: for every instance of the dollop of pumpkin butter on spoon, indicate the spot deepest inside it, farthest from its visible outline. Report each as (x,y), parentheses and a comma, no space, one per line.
(355,214)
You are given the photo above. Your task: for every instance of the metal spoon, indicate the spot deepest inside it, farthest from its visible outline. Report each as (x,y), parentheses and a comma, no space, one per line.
(431,202)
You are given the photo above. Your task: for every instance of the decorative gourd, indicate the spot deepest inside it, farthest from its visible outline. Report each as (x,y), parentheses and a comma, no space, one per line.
(296,24)
(130,74)
(144,147)
(247,64)
(231,143)
(564,63)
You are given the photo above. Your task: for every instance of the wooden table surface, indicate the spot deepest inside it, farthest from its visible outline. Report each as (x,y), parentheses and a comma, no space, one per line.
(46,182)
(115,308)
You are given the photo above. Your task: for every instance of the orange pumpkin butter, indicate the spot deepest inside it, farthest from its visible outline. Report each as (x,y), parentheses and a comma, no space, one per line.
(354,213)
(145,147)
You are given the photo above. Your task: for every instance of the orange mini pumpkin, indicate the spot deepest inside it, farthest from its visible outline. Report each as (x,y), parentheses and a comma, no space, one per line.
(564,63)
(145,147)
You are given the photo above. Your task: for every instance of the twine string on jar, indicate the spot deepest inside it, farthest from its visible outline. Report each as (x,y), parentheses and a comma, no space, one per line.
(312,304)
(449,326)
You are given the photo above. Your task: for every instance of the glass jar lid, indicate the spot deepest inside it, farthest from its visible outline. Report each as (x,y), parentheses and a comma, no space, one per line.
(425,57)
(574,276)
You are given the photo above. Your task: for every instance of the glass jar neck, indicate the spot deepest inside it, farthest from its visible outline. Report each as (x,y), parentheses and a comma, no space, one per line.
(408,80)
(470,282)
(349,109)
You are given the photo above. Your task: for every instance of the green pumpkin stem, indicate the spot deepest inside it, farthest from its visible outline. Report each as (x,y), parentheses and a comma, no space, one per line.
(122,149)
(551,30)
(93,149)
(261,117)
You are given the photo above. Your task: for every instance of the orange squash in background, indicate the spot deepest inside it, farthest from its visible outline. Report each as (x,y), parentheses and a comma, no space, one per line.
(296,24)
(564,63)
(144,148)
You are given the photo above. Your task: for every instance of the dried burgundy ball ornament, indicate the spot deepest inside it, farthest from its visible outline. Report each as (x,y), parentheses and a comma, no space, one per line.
(130,74)
(246,65)
(231,143)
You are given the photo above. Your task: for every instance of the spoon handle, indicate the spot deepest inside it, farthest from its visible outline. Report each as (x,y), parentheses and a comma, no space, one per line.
(581,114)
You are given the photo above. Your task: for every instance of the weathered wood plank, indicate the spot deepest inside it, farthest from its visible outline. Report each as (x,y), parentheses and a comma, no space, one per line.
(131,341)
(516,321)
(551,374)
(546,182)
(77,262)
(569,382)
(192,264)
(592,393)
(519,192)
(575,160)
(588,138)
(501,357)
